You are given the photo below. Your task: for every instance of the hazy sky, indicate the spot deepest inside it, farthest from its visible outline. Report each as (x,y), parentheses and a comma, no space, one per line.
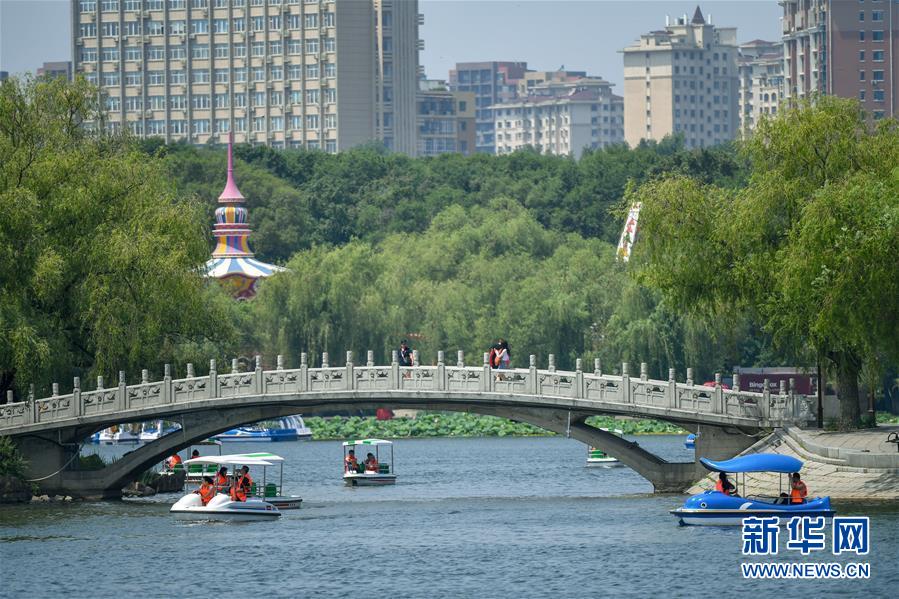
(582,35)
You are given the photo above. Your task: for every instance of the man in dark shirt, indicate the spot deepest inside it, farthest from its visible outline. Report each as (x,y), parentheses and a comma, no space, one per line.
(405,357)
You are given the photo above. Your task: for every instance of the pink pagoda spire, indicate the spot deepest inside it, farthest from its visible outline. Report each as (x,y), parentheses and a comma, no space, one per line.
(231,194)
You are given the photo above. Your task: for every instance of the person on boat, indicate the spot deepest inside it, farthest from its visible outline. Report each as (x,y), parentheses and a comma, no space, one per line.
(195,454)
(173,461)
(724,485)
(371,463)
(798,490)
(242,487)
(351,464)
(221,480)
(206,490)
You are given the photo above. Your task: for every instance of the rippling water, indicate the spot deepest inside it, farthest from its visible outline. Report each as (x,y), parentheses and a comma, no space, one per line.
(513,517)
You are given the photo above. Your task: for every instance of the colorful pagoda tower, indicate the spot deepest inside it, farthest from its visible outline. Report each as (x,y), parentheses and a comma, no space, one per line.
(232,261)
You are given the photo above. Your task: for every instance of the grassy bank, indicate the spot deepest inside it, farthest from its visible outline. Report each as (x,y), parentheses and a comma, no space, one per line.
(434,424)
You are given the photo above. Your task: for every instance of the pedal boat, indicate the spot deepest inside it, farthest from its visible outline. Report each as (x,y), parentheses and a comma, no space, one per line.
(385,474)
(597,457)
(267,491)
(713,508)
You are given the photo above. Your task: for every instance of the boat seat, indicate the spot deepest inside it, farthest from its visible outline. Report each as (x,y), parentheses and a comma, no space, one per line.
(383,468)
(195,469)
(271,490)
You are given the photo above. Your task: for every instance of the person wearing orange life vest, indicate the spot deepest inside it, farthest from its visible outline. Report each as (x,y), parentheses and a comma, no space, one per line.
(371,463)
(221,480)
(241,488)
(723,485)
(173,461)
(206,490)
(798,490)
(351,464)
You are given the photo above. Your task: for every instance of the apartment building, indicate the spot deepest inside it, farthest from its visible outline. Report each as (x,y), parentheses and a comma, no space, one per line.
(561,118)
(445,119)
(760,66)
(317,74)
(842,48)
(682,79)
(491,83)
(56,69)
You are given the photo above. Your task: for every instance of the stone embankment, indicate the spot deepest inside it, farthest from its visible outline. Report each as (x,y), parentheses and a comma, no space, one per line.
(846,466)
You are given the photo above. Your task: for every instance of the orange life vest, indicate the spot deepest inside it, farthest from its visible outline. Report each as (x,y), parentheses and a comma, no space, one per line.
(351,463)
(719,486)
(798,493)
(174,460)
(220,481)
(371,465)
(207,492)
(239,491)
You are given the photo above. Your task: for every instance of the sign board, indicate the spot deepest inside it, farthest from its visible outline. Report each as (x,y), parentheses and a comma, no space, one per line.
(805,383)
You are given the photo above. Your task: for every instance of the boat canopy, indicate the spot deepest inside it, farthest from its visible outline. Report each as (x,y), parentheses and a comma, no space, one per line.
(760,462)
(236,459)
(367,442)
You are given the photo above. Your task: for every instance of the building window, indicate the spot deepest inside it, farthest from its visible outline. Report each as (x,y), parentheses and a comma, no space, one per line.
(200,76)
(296,97)
(877,55)
(275,48)
(876,75)
(87,5)
(176,4)
(294,72)
(87,30)
(177,77)
(330,44)
(222,125)
(861,56)
(878,114)
(238,24)
(240,100)
(877,15)
(155,28)
(178,127)
(861,75)
(329,19)
(258,73)
(240,124)
(134,78)
(296,122)
(259,124)
(330,121)
(861,15)
(178,27)
(240,75)
(155,127)
(221,50)
(222,101)
(240,51)
(310,21)
(199,51)
(276,73)
(220,26)
(330,70)
(312,121)
(200,102)
(274,23)
(331,97)
(294,21)
(109,5)
(312,96)
(861,36)
(294,47)
(257,23)
(879,95)
(177,52)
(222,75)
(178,102)
(876,36)
(258,49)
(88,55)
(277,123)
(155,78)
(312,46)
(199,26)
(311,71)
(109,54)
(259,99)
(133,103)
(113,104)
(201,126)
(109,29)
(132,27)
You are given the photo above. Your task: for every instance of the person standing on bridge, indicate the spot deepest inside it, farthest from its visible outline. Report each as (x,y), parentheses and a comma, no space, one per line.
(405,357)
(504,354)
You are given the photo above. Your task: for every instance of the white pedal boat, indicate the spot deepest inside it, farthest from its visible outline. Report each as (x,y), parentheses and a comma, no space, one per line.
(369,478)
(222,507)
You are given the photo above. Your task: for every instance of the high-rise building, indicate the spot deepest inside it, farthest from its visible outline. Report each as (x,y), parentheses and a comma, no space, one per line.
(561,118)
(56,69)
(760,66)
(842,48)
(492,83)
(682,79)
(443,119)
(319,74)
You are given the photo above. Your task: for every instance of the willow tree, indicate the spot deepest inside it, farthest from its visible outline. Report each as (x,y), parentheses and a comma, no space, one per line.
(810,246)
(99,260)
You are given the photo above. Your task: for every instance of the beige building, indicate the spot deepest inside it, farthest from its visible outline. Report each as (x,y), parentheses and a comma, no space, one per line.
(446,120)
(561,118)
(682,79)
(319,74)
(760,65)
(530,80)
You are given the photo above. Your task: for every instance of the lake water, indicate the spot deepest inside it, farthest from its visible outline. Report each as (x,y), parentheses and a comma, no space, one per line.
(494,517)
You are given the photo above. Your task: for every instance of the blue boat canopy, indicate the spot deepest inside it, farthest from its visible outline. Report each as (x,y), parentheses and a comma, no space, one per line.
(759,462)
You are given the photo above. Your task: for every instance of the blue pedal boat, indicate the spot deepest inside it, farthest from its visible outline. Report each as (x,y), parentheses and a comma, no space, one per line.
(713,508)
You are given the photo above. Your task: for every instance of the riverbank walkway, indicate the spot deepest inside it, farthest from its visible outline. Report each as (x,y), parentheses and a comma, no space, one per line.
(857,466)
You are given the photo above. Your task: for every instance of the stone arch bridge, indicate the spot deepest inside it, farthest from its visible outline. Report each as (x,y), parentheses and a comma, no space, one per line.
(49,431)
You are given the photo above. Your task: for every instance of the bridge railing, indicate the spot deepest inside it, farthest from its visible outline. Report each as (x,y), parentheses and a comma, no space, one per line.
(632,393)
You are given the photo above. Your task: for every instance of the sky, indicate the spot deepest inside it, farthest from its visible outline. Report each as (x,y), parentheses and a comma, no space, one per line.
(582,35)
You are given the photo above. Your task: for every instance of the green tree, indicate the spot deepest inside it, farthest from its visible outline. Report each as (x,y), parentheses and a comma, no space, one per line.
(809,247)
(99,259)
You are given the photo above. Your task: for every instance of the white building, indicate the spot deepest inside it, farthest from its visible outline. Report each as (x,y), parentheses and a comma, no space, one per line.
(761,81)
(320,74)
(564,118)
(682,79)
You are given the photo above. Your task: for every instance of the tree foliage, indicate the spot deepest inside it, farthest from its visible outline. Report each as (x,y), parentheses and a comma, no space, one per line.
(98,256)
(810,245)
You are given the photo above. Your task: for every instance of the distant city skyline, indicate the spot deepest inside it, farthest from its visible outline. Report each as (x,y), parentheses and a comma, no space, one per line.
(579,35)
